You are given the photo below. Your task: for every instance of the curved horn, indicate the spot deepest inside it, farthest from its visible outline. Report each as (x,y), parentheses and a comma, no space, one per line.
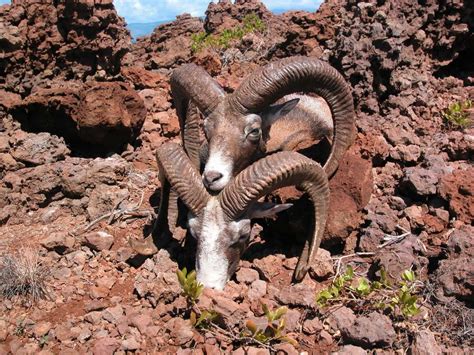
(301,74)
(182,176)
(273,172)
(192,87)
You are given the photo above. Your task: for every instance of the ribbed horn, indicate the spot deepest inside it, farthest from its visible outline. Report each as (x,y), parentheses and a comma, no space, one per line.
(273,172)
(301,74)
(192,87)
(182,176)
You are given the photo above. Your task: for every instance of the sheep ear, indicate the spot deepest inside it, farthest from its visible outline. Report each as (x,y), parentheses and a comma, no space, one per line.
(274,112)
(267,209)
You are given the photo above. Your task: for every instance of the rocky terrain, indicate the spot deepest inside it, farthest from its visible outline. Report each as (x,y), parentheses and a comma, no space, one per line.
(82,110)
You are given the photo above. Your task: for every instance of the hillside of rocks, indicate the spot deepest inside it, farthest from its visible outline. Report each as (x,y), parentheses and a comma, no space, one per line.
(83,109)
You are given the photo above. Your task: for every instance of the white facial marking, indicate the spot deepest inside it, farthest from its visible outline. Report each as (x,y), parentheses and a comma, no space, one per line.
(220,163)
(212,264)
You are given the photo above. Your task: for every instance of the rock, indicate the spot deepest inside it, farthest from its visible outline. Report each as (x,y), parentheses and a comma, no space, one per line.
(425,344)
(266,266)
(113,314)
(181,331)
(105,346)
(231,311)
(7,162)
(322,268)
(107,115)
(171,40)
(246,275)
(41,329)
(60,242)
(104,199)
(99,240)
(141,322)
(292,320)
(3,330)
(286,348)
(421,181)
(130,344)
(57,41)
(257,290)
(64,332)
(38,149)
(93,317)
(373,330)
(250,350)
(342,318)
(144,79)
(461,243)
(458,189)
(296,295)
(351,188)
(350,350)
(9,99)
(312,326)
(454,278)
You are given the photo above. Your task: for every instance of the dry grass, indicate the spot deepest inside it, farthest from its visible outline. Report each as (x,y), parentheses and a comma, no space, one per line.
(23,276)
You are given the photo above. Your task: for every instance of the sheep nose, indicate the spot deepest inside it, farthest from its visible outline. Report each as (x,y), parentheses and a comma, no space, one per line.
(211,176)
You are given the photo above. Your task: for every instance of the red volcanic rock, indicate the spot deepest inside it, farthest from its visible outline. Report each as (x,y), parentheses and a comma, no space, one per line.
(66,39)
(351,188)
(458,189)
(169,44)
(145,79)
(105,114)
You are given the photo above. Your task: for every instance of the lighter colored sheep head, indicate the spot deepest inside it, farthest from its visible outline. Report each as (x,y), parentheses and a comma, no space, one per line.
(221,223)
(237,125)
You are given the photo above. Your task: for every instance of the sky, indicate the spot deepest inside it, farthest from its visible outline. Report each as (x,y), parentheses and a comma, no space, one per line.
(159,10)
(139,11)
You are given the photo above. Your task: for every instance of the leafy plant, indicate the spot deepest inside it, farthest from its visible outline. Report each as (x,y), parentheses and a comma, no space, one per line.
(250,23)
(205,318)
(404,300)
(191,288)
(273,331)
(457,115)
(43,341)
(400,299)
(333,291)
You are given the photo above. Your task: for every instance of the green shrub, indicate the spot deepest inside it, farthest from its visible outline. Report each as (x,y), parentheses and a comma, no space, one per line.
(191,288)
(273,331)
(250,23)
(399,299)
(457,115)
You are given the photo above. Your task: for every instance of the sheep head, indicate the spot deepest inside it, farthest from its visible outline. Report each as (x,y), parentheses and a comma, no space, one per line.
(221,223)
(236,126)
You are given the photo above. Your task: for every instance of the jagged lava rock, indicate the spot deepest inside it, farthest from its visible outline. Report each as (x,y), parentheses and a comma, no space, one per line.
(47,39)
(106,114)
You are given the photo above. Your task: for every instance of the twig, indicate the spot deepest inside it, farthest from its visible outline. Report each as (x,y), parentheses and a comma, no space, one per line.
(339,259)
(118,213)
(392,239)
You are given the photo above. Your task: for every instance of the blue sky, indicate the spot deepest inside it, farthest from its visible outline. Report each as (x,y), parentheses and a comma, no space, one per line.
(159,10)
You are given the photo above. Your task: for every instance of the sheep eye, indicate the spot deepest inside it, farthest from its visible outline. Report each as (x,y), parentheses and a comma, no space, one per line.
(254,134)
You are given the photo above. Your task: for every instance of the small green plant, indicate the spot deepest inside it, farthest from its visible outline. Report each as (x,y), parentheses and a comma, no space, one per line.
(191,288)
(404,300)
(43,341)
(457,115)
(399,299)
(250,23)
(333,291)
(205,318)
(273,331)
